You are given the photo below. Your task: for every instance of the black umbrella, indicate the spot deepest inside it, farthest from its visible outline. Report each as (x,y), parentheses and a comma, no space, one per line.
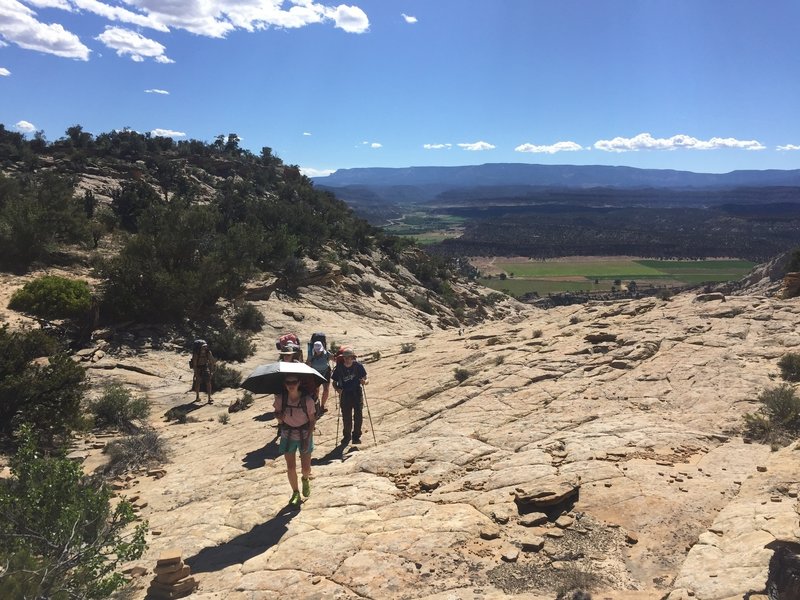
(268,379)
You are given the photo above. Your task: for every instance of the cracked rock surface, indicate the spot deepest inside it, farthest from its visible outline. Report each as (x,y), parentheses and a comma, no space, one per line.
(594,445)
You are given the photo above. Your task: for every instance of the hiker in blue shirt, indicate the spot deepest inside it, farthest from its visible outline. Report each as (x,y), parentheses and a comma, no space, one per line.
(348,377)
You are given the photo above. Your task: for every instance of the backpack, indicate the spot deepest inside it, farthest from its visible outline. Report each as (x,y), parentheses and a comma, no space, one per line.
(286,339)
(317,405)
(316,337)
(197,345)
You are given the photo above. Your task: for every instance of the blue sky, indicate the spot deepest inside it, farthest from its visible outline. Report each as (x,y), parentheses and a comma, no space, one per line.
(700,85)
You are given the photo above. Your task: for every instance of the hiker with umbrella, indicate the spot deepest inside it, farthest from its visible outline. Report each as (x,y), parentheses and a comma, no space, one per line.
(296,416)
(348,377)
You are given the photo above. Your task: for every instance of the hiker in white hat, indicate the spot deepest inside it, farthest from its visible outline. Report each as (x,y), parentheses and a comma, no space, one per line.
(320,359)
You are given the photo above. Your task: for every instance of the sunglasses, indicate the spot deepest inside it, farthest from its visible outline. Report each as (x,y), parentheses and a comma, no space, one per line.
(291,381)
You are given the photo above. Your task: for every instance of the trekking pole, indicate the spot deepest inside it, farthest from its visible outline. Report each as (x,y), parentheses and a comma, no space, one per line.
(364,393)
(338,409)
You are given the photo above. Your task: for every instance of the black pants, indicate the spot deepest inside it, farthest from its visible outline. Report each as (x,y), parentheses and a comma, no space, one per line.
(351,403)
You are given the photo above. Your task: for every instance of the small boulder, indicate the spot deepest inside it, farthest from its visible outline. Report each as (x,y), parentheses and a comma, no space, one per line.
(533,519)
(510,554)
(532,543)
(719,296)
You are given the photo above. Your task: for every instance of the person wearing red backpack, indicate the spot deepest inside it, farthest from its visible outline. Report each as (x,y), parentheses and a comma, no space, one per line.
(348,377)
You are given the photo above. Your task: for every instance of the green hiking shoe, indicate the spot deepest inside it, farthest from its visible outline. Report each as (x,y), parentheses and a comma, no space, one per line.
(306,487)
(295,499)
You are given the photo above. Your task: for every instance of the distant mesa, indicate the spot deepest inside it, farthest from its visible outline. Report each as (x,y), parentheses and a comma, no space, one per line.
(573,176)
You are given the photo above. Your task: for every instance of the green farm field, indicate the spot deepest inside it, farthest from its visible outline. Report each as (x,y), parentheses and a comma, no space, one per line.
(599,274)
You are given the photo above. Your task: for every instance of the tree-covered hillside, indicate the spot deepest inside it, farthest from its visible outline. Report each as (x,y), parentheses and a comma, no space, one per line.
(172,226)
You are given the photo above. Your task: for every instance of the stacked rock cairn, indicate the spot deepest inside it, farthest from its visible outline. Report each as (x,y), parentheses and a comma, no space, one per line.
(172,578)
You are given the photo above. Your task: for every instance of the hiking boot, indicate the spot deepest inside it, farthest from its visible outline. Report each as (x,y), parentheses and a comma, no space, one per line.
(356,440)
(306,487)
(295,499)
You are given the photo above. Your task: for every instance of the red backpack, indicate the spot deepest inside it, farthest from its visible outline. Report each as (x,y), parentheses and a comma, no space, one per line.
(286,339)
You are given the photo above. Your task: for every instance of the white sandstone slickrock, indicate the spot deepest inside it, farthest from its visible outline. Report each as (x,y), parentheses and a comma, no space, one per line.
(556,420)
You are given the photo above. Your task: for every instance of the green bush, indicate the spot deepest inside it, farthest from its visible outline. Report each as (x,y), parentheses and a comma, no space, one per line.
(366,287)
(461,374)
(60,537)
(53,297)
(407,347)
(37,214)
(223,418)
(664,294)
(47,396)
(230,344)
(493,298)
(387,266)
(144,449)
(225,377)
(179,414)
(777,421)
(790,366)
(243,402)
(422,303)
(117,407)
(536,334)
(248,317)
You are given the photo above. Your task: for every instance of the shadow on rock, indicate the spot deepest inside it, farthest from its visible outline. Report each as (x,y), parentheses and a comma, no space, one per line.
(336,453)
(258,458)
(179,413)
(243,547)
(265,417)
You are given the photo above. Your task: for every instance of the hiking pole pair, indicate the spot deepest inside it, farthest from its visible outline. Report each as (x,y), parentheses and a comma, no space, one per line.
(364,394)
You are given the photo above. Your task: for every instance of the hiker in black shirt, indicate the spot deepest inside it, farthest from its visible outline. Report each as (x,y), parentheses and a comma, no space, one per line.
(348,377)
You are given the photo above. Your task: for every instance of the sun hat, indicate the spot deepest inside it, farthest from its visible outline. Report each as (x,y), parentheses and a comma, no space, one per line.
(349,352)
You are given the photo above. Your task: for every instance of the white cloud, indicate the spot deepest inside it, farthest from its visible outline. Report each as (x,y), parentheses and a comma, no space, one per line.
(157,91)
(306,133)
(62,4)
(25,127)
(477,146)
(789,147)
(216,18)
(552,149)
(117,13)
(4,72)
(437,146)
(167,133)
(644,141)
(376,145)
(409,18)
(312,172)
(125,41)
(18,25)
(212,18)
(348,18)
